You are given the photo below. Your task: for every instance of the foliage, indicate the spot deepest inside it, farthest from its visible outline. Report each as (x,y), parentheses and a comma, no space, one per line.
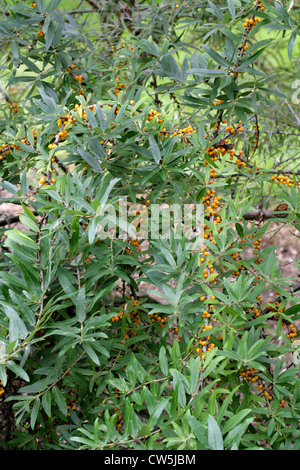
(137,342)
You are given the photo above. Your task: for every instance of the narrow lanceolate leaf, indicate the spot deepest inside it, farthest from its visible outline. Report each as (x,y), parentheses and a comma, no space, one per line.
(148,47)
(154,149)
(194,365)
(201,135)
(90,352)
(19,371)
(31,65)
(236,419)
(215,440)
(215,56)
(17,328)
(101,118)
(3,376)
(157,412)
(49,36)
(11,188)
(231,8)
(80,304)
(46,402)
(60,400)
(291,44)
(34,412)
(21,238)
(215,11)
(163,361)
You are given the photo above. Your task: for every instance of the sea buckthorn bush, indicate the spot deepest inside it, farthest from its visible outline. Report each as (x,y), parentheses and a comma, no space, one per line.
(111,342)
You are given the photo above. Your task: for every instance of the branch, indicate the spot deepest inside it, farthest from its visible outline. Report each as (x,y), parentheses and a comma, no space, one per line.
(278,299)
(264,214)
(12,219)
(94,5)
(5,96)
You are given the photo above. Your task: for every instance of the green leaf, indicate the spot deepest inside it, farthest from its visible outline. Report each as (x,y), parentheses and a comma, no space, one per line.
(236,434)
(59,400)
(215,440)
(3,376)
(291,44)
(163,361)
(11,188)
(157,413)
(199,430)
(80,304)
(67,280)
(236,419)
(154,149)
(215,56)
(231,8)
(283,13)
(21,238)
(144,431)
(170,67)
(31,65)
(19,371)
(15,49)
(34,412)
(90,352)
(201,135)
(148,47)
(92,161)
(194,366)
(17,328)
(24,219)
(101,118)
(213,9)
(239,230)
(92,229)
(46,402)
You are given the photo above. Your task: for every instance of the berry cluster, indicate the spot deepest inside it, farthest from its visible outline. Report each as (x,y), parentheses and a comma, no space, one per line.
(251,22)
(78,78)
(292,329)
(14,107)
(284,179)
(174,330)
(259,4)
(71,405)
(187,131)
(135,243)
(250,375)
(70,68)
(256,136)
(205,344)
(211,203)
(5,149)
(2,389)
(153,114)
(205,260)
(120,420)
(119,86)
(156,318)
(132,310)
